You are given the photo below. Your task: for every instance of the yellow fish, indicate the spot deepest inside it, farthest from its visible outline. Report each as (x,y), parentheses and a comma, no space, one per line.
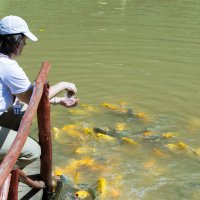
(110,106)
(101,186)
(177,146)
(55,180)
(85,161)
(150,164)
(181,146)
(82,194)
(57,132)
(128,140)
(159,153)
(77,177)
(75,164)
(70,127)
(73,130)
(120,126)
(115,193)
(104,136)
(198,151)
(78,112)
(88,131)
(143,116)
(168,135)
(74,167)
(148,134)
(140,114)
(58,171)
(89,108)
(114,107)
(194,125)
(83,150)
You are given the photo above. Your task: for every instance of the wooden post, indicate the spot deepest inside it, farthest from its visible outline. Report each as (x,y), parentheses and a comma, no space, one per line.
(44,127)
(5,188)
(13,191)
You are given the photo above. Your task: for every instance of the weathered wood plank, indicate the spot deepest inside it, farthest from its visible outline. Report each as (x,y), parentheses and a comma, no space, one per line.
(5,188)
(44,126)
(13,190)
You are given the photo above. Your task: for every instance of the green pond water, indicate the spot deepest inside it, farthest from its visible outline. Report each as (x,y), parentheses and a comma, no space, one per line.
(141,54)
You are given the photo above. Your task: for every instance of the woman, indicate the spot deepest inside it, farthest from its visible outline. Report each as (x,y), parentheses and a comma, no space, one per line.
(15,86)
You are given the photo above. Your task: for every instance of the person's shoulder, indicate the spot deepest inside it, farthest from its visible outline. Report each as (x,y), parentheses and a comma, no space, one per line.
(8,63)
(8,66)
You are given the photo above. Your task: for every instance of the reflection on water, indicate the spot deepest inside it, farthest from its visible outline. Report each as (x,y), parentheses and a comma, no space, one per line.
(145,53)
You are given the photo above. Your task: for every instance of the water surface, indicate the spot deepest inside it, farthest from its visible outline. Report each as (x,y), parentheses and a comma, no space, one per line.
(144,54)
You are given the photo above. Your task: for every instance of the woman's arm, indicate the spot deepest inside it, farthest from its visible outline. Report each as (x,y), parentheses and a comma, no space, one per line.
(54,90)
(25,96)
(59,87)
(64,101)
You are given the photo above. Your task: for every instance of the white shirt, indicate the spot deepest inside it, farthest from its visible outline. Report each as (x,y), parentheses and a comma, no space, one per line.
(13,80)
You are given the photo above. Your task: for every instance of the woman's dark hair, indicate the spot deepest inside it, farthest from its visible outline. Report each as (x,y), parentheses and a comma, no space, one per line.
(10,43)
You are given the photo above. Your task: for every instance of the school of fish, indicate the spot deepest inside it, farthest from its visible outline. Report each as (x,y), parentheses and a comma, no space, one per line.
(87,136)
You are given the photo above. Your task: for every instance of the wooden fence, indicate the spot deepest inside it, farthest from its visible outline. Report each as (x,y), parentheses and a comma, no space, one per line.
(39,103)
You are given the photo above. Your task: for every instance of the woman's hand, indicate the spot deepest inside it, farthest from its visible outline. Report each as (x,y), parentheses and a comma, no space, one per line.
(69,102)
(66,102)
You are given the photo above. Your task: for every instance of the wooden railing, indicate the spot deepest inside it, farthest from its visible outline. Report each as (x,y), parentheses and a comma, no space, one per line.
(38,103)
